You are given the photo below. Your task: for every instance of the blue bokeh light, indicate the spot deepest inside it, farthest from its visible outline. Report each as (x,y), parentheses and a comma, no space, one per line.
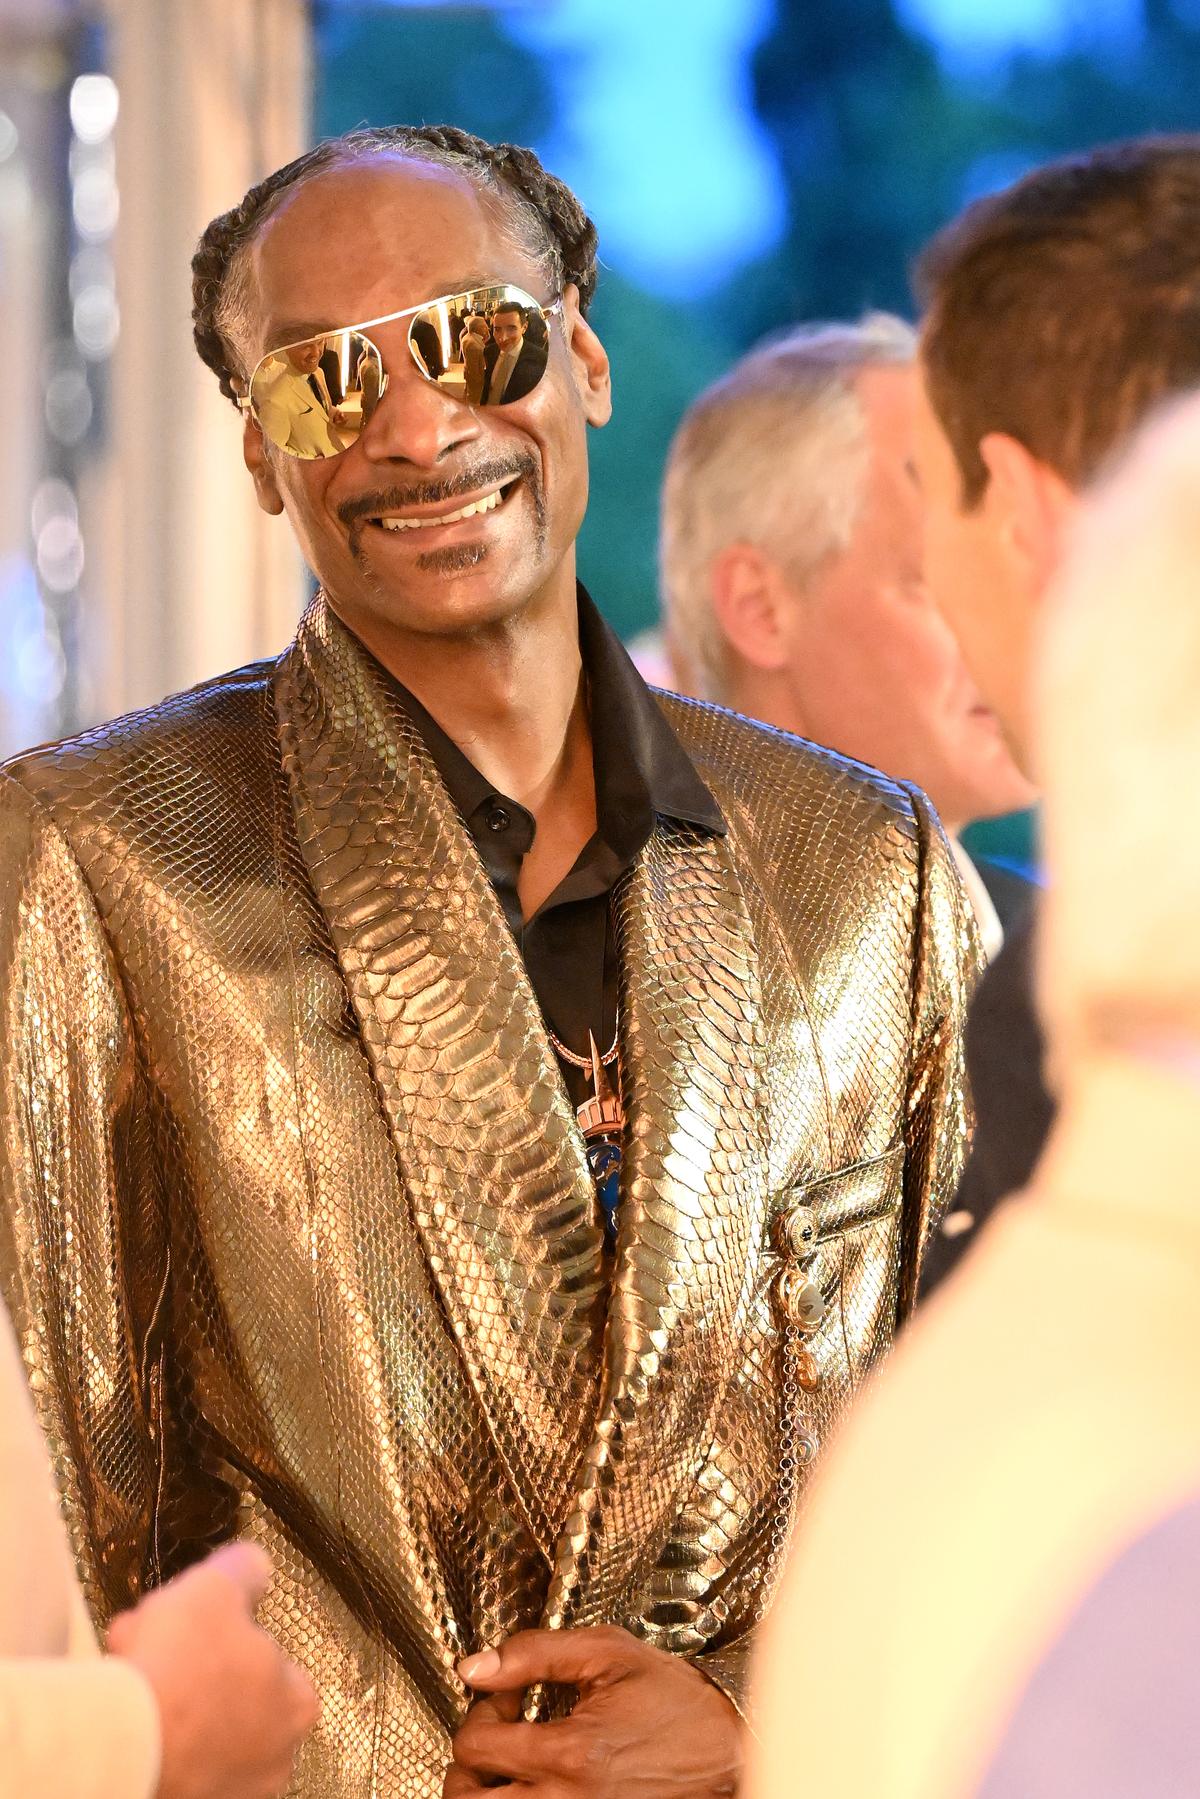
(656,130)
(989,30)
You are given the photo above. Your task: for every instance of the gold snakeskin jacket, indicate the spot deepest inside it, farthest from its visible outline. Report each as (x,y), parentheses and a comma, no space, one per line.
(298,1229)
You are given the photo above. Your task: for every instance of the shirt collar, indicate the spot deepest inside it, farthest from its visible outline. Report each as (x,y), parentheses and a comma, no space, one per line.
(642,771)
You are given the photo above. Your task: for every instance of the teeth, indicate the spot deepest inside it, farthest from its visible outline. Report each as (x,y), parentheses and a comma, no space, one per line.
(487,504)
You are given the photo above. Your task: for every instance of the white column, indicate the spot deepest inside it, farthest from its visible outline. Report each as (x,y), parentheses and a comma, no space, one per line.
(213,95)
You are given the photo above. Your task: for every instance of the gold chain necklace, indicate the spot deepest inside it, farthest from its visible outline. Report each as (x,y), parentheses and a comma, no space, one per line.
(568,1055)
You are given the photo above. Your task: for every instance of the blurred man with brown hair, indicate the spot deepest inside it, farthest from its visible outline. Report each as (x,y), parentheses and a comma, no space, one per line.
(1058,312)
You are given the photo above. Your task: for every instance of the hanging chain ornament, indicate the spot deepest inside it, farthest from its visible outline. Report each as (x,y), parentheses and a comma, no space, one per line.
(601,1118)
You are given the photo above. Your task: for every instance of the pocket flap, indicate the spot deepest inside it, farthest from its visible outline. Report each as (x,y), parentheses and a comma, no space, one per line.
(849,1197)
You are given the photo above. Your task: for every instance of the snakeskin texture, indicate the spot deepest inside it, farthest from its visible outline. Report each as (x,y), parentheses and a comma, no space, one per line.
(298,1230)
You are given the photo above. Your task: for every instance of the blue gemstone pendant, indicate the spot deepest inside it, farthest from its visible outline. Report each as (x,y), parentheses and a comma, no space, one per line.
(604,1160)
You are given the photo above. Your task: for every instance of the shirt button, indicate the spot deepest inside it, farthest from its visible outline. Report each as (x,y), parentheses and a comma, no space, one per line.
(498,819)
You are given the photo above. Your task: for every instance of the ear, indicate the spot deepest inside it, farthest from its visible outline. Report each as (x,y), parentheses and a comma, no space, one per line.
(1031,504)
(254,454)
(589,360)
(748,602)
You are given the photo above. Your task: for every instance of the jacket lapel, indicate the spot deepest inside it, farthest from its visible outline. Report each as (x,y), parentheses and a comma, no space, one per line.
(694,1205)
(488,1148)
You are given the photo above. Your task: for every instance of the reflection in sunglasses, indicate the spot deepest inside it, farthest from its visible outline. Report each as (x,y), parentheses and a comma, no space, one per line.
(485,347)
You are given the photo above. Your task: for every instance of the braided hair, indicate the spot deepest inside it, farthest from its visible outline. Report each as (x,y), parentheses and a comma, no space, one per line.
(540,211)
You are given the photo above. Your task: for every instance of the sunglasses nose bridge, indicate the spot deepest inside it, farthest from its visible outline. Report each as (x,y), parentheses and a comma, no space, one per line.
(414,419)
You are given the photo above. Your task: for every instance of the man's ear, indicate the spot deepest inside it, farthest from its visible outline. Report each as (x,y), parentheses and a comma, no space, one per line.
(748,602)
(254,454)
(1031,504)
(589,360)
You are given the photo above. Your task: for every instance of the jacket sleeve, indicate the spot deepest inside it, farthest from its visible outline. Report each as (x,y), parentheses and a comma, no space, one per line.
(82,1256)
(937,1118)
(730,1668)
(77,1729)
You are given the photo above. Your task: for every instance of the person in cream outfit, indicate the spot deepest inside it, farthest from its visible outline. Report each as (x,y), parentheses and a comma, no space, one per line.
(193,1702)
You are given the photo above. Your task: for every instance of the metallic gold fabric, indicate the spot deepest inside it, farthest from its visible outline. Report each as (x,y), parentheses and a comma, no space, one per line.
(298,1228)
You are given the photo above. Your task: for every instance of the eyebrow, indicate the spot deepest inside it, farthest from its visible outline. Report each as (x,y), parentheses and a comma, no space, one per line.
(281,334)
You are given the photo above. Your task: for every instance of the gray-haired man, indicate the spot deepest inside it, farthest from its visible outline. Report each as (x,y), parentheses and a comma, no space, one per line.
(792,577)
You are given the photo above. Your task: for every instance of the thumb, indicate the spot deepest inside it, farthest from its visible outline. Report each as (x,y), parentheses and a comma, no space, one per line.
(246,1567)
(577,1658)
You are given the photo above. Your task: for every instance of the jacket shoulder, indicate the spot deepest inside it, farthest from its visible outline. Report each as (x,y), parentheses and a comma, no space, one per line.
(191,747)
(764,778)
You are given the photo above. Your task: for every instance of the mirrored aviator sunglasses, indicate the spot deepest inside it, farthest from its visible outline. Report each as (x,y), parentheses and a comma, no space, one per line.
(485,347)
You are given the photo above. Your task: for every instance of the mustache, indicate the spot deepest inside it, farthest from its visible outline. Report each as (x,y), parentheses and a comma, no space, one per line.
(467,480)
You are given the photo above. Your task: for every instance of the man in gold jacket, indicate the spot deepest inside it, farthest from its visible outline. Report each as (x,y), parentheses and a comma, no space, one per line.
(314,981)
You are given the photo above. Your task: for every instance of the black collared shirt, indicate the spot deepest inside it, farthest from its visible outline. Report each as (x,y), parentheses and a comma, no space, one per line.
(642,773)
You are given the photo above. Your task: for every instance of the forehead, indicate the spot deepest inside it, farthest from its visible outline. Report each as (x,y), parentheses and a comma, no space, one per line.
(362,239)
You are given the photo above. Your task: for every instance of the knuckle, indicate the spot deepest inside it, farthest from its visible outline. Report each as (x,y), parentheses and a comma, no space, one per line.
(618,1647)
(580,1752)
(207,1591)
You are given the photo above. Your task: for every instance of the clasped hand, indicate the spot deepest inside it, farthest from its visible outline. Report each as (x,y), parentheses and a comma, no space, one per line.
(646,1725)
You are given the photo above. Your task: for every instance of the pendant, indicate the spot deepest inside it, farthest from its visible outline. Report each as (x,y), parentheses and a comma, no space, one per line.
(602,1121)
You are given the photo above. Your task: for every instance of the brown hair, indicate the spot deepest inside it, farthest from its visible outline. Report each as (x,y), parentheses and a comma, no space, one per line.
(1060,310)
(540,211)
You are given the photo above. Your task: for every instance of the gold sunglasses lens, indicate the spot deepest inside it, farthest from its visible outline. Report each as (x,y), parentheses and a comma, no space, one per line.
(487,347)
(312,399)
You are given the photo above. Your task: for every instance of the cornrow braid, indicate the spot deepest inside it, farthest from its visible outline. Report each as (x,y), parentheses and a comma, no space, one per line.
(540,211)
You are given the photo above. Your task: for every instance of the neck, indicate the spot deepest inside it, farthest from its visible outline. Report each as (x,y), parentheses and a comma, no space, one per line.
(766,694)
(507,693)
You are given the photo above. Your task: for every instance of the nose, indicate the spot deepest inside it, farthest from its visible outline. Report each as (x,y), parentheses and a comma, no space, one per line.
(415,420)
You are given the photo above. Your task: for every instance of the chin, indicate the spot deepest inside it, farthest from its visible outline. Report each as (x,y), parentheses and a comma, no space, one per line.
(451,593)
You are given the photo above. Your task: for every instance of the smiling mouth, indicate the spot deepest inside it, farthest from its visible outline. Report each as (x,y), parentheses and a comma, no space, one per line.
(488,502)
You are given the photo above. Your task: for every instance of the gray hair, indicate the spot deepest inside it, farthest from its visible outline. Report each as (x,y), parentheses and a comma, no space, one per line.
(774,454)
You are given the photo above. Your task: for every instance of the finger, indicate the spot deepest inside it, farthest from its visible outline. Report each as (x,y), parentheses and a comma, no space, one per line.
(496,1708)
(460,1783)
(577,1658)
(523,1752)
(246,1567)
(119,1633)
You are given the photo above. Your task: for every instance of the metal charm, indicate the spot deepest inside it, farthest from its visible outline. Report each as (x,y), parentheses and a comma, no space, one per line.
(602,1121)
(800,1299)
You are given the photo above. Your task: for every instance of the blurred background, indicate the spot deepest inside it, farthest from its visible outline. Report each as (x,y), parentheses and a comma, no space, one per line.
(749,163)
